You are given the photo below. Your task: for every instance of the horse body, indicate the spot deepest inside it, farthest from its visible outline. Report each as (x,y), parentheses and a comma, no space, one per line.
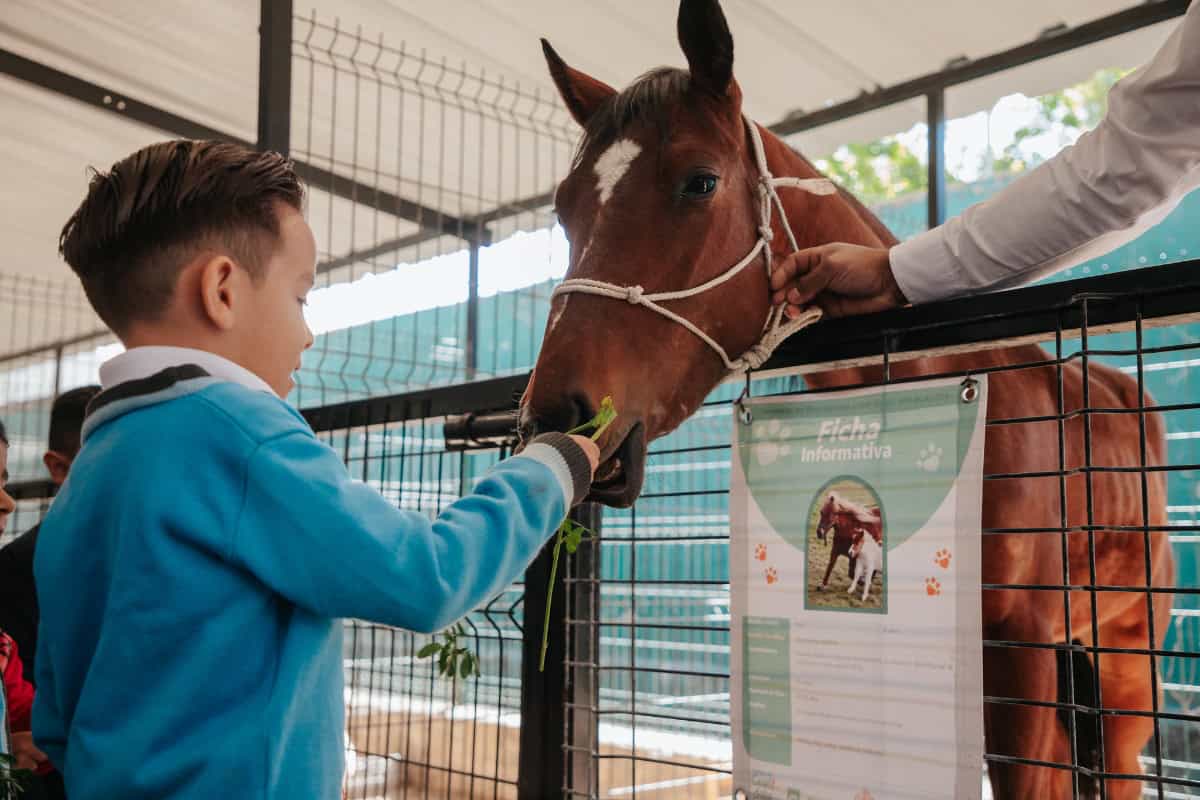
(679,214)
(1031,555)
(866,554)
(844,519)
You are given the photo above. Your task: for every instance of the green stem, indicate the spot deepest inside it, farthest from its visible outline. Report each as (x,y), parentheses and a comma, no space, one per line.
(558,540)
(600,431)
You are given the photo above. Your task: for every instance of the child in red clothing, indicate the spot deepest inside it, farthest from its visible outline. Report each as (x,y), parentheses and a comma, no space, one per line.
(18,702)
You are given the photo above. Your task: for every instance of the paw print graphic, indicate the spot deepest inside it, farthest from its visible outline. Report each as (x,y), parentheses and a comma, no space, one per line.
(942,558)
(930,458)
(760,552)
(767,451)
(932,587)
(771,574)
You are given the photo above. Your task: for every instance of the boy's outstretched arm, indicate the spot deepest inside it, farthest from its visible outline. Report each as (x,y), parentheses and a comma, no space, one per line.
(338,548)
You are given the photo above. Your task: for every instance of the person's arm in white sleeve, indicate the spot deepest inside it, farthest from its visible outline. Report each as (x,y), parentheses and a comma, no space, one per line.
(1113,184)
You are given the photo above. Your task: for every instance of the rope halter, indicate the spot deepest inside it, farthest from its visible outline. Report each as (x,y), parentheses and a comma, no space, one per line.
(777,327)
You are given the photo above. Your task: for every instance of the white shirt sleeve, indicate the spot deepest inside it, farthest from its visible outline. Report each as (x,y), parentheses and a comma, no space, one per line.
(1113,184)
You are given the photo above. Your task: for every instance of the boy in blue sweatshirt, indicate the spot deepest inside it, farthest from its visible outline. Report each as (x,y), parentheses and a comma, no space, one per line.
(202,552)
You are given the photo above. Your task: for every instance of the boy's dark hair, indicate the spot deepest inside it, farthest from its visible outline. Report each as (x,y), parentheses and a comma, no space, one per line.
(156,210)
(66,419)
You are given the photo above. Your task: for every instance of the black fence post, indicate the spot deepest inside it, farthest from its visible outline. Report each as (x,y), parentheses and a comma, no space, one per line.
(542,765)
(275,75)
(472,345)
(935,108)
(582,697)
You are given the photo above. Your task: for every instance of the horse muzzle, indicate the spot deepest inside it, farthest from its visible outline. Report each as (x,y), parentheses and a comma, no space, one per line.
(618,480)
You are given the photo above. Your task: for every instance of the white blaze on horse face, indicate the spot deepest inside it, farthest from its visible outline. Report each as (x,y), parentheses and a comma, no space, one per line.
(612,165)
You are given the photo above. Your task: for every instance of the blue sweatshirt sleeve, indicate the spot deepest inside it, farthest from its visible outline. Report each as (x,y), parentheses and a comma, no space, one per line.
(49,726)
(338,548)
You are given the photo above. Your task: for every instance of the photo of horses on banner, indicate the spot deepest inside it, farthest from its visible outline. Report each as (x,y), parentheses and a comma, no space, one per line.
(847,548)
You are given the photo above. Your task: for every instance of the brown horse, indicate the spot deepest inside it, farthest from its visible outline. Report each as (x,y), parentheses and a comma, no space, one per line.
(663,195)
(844,519)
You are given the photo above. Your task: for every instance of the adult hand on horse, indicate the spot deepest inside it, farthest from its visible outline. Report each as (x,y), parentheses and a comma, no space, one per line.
(843,280)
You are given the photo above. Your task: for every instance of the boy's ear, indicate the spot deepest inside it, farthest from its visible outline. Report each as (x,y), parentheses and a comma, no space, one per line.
(58,465)
(218,283)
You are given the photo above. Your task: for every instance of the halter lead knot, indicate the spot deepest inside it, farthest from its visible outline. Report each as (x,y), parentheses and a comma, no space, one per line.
(633,295)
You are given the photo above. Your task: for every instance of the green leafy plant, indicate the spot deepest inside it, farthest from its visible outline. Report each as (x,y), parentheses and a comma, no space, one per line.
(570,533)
(13,781)
(452,658)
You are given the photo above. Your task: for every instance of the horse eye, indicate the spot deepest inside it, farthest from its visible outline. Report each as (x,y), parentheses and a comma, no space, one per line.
(700,185)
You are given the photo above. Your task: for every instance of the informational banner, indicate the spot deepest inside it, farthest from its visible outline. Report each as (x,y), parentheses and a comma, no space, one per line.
(855,579)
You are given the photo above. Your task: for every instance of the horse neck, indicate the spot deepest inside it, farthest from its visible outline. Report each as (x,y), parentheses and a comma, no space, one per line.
(821,219)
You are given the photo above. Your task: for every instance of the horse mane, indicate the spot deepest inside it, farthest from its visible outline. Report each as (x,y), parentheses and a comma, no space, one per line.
(857,509)
(867,215)
(646,100)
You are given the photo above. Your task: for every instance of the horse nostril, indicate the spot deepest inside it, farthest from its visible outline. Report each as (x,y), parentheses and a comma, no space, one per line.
(569,414)
(583,411)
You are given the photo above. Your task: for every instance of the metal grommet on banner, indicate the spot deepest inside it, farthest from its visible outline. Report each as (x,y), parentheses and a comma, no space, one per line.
(744,413)
(739,794)
(970,390)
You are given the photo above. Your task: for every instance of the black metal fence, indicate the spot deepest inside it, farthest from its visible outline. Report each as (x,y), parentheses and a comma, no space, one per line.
(634,700)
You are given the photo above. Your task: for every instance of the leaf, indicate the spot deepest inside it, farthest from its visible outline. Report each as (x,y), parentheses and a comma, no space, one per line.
(599,423)
(574,533)
(445,656)
(428,650)
(467,665)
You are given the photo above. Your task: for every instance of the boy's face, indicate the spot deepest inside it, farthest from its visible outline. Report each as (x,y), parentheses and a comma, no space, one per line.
(275,333)
(7,505)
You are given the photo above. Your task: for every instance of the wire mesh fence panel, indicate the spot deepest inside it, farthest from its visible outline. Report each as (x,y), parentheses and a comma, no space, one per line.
(50,341)
(412,732)
(661,586)
(429,193)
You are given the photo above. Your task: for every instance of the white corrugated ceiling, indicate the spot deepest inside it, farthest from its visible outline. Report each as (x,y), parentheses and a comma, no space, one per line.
(199,60)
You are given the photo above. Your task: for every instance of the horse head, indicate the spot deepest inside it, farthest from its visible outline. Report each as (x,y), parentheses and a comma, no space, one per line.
(826,520)
(856,542)
(664,196)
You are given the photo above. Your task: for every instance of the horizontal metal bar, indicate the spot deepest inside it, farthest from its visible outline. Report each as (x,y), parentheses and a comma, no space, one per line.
(1169,294)
(385,247)
(487,395)
(51,347)
(1095,773)
(1098,711)
(1088,587)
(1060,41)
(122,105)
(42,489)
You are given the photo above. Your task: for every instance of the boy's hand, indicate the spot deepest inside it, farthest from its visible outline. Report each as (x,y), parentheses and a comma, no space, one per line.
(590,449)
(25,753)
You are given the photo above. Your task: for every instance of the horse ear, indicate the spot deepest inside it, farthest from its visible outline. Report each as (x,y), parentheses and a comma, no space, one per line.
(706,41)
(582,93)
